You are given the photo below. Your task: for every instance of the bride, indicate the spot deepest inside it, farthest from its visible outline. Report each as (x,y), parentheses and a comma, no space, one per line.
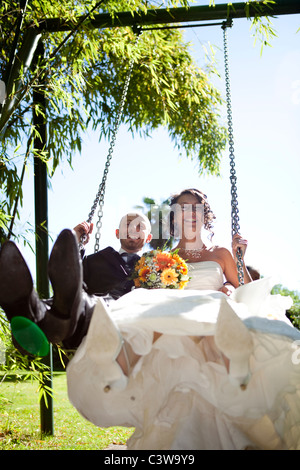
(204,368)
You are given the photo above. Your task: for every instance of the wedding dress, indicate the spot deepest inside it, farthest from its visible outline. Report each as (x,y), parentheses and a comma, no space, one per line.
(224,374)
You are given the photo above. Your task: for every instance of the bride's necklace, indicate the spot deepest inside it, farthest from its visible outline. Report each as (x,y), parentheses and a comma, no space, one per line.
(192,254)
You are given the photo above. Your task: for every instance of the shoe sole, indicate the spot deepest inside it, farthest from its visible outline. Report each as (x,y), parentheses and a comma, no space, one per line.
(15,280)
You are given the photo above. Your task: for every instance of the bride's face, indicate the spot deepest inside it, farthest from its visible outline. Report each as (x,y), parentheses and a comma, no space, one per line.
(188,217)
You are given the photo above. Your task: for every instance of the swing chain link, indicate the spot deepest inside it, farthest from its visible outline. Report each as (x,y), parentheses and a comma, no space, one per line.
(233,179)
(99,199)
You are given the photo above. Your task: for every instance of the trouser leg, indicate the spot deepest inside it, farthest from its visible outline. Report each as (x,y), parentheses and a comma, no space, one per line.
(66,316)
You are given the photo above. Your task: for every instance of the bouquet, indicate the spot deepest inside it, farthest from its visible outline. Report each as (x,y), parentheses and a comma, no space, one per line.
(160,270)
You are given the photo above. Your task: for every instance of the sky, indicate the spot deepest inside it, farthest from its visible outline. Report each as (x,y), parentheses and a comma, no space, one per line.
(265,95)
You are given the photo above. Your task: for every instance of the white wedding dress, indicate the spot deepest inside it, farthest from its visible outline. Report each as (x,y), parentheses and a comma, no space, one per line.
(182,394)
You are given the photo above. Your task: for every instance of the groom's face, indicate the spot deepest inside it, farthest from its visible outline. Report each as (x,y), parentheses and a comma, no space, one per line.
(133,232)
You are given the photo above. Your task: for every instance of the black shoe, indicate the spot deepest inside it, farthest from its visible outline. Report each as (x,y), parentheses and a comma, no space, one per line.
(21,303)
(17,297)
(65,274)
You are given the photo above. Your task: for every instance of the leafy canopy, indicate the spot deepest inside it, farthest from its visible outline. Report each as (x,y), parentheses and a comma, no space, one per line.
(82,77)
(83,83)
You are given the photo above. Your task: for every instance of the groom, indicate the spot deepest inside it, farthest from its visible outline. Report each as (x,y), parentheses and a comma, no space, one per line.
(66,317)
(106,272)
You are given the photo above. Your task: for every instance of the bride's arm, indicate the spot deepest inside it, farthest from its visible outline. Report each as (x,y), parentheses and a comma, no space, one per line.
(229,266)
(239,242)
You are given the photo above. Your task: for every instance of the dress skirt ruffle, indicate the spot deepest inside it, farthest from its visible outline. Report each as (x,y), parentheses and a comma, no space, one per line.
(224,374)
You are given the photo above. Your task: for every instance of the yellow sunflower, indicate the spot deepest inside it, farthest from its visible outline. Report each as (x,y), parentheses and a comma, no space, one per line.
(169,277)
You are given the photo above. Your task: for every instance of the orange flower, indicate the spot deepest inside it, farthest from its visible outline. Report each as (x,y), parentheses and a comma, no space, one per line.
(169,277)
(182,284)
(143,273)
(140,263)
(177,258)
(183,268)
(164,270)
(164,260)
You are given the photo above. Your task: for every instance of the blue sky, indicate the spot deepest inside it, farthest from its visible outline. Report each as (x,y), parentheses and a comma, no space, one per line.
(266,122)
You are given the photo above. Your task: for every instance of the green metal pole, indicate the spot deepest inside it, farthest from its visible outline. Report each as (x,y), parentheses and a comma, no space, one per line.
(41,227)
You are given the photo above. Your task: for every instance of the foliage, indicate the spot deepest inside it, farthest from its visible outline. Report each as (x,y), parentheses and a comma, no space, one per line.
(23,366)
(82,76)
(294,312)
(20,421)
(262,26)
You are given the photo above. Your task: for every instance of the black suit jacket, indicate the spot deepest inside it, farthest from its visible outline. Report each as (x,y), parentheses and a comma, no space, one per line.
(105,273)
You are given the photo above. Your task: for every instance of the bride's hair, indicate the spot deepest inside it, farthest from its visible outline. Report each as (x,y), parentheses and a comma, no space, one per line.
(209,216)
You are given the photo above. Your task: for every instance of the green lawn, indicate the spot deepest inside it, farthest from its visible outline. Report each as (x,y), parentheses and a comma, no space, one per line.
(20,421)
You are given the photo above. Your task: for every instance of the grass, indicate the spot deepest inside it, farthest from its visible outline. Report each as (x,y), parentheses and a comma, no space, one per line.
(20,421)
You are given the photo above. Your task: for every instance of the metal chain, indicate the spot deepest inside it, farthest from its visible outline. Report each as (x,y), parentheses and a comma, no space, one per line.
(99,199)
(233,179)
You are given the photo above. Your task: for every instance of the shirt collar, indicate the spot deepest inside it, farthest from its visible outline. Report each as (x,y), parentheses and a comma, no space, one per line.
(139,253)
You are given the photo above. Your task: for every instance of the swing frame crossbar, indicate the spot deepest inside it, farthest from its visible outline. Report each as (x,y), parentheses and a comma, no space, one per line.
(177,15)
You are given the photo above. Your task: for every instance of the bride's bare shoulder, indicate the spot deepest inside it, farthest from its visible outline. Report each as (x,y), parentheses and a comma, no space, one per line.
(220,254)
(219,250)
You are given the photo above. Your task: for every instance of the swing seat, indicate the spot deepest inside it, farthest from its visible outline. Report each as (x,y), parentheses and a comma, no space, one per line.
(30,337)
